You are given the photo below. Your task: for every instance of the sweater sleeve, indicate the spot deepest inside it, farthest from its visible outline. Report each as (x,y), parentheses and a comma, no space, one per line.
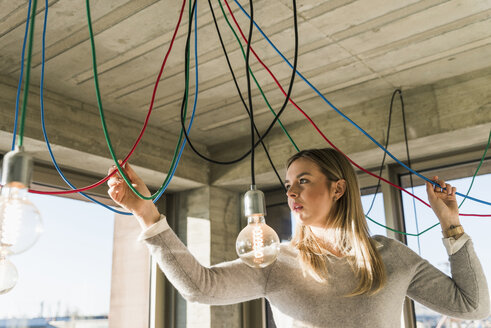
(464,295)
(225,283)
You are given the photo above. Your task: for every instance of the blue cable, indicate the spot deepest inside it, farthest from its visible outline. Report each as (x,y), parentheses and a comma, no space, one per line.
(347,118)
(195,97)
(19,86)
(48,143)
(41,92)
(416,221)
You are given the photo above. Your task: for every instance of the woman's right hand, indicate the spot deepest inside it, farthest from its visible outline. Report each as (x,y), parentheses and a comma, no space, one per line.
(145,210)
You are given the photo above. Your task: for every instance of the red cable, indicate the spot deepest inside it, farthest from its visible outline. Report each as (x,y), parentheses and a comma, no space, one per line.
(320,132)
(282,90)
(142,130)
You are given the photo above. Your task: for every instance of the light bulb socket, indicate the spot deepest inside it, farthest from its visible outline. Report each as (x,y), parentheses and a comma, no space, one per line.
(17,168)
(254,203)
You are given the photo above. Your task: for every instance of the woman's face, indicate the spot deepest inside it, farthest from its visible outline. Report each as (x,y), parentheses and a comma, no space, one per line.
(310,194)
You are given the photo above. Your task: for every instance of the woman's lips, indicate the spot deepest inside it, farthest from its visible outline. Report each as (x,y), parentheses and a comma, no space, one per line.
(296,207)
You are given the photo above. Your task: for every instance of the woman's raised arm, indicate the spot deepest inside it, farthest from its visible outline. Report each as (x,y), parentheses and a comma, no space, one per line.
(465,294)
(225,283)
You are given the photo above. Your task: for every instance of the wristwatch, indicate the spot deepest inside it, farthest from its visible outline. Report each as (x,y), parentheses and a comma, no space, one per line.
(452,231)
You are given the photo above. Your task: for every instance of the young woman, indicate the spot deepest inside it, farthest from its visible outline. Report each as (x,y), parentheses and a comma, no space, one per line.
(332,273)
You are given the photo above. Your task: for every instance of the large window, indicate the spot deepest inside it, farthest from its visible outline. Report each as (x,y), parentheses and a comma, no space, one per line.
(429,245)
(66,276)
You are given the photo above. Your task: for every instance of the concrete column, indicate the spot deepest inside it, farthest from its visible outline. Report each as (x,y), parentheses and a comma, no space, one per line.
(221,208)
(225,217)
(130,280)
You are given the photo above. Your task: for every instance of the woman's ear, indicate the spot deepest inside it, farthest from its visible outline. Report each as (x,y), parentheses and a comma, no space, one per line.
(340,188)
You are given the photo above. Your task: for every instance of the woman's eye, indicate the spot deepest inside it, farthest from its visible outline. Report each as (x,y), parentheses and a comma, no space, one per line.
(287,187)
(302,181)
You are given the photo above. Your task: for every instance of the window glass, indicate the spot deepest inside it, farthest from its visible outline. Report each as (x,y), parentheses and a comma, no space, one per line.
(376,213)
(66,275)
(430,244)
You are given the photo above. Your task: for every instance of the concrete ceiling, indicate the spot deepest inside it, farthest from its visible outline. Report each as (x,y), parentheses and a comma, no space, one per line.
(353,51)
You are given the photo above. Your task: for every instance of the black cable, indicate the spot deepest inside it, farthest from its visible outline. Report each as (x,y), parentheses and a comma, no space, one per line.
(240,93)
(410,173)
(279,112)
(249,93)
(386,143)
(186,63)
(406,140)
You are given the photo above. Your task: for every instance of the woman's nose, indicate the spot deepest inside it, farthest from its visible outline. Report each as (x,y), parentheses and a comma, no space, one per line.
(291,192)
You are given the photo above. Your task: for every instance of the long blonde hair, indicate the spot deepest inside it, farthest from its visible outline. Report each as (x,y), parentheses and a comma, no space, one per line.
(347,228)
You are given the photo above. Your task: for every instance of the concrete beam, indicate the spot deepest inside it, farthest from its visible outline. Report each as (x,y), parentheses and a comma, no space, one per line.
(453,115)
(74,130)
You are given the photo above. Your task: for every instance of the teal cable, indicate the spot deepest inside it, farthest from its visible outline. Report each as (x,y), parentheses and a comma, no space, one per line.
(341,113)
(254,78)
(468,191)
(474,177)
(28,74)
(21,76)
(103,121)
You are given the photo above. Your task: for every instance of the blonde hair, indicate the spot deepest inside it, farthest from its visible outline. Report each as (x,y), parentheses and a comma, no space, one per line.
(347,228)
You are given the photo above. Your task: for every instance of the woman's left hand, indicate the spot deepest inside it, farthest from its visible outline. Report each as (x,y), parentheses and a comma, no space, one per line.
(443,202)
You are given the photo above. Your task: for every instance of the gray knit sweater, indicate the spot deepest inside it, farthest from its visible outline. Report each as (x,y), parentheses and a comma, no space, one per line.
(299,301)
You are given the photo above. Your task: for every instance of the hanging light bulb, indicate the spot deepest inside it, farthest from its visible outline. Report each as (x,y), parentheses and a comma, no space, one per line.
(20,221)
(258,244)
(8,275)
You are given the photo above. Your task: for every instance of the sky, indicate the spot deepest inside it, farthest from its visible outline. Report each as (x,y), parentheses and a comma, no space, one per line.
(69,268)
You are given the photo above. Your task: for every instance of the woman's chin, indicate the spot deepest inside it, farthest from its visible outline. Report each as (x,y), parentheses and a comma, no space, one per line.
(302,219)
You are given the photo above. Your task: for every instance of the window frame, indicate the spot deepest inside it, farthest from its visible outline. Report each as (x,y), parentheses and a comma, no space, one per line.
(454,166)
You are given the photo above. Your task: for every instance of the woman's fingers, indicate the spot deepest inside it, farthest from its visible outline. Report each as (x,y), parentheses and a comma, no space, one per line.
(115,194)
(118,185)
(130,172)
(440,189)
(440,185)
(448,189)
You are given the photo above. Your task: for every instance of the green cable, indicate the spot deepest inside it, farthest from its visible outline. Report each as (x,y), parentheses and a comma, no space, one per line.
(468,191)
(482,160)
(28,73)
(103,121)
(401,232)
(257,83)
(266,100)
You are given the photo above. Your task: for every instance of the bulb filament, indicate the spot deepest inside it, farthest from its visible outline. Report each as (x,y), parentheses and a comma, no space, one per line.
(258,241)
(10,224)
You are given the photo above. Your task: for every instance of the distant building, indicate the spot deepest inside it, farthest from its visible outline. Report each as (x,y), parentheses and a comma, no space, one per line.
(57,322)
(26,323)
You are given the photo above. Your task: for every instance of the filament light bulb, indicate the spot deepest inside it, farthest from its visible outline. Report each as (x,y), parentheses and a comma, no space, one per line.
(20,221)
(258,244)
(8,275)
